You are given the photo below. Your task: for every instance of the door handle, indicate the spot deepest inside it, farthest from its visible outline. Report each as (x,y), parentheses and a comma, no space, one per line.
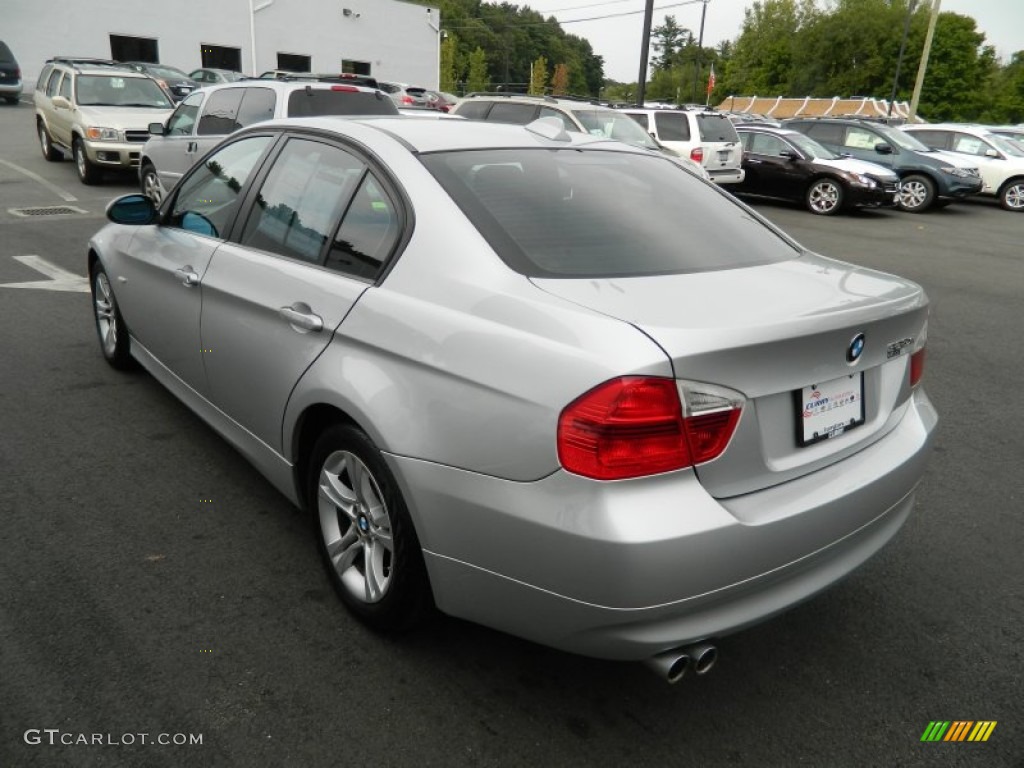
(752,161)
(302,318)
(192,147)
(188,276)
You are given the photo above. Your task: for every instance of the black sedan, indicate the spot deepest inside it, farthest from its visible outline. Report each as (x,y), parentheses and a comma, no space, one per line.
(173,80)
(787,164)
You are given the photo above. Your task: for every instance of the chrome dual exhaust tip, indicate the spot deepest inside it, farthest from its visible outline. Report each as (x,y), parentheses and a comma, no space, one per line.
(673,665)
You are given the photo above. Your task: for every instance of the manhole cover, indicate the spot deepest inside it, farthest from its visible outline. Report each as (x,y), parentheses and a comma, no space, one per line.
(53,210)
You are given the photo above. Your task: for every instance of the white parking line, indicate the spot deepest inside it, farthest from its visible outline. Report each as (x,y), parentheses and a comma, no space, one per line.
(36,177)
(59,279)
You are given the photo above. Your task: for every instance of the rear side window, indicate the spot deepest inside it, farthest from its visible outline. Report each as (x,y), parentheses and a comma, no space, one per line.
(547,213)
(328,101)
(858,138)
(368,233)
(716,128)
(520,114)
(933,139)
(672,126)
(641,119)
(300,202)
(473,110)
(41,82)
(826,133)
(221,112)
(257,104)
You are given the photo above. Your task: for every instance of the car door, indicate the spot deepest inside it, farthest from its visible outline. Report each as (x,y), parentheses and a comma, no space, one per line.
(775,173)
(63,110)
(159,280)
(273,299)
(169,153)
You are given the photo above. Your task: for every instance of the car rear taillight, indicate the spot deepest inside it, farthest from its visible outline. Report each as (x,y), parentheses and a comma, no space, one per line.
(635,426)
(697,154)
(916,367)
(345,88)
(406,99)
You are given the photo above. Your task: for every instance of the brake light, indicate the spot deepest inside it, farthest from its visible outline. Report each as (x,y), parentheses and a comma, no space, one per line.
(345,88)
(635,426)
(697,154)
(916,367)
(406,99)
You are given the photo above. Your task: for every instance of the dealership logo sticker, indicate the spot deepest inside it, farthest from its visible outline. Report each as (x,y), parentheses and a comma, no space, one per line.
(958,730)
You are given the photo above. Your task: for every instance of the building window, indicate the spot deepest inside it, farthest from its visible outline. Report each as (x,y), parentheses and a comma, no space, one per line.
(124,48)
(294,62)
(350,67)
(221,57)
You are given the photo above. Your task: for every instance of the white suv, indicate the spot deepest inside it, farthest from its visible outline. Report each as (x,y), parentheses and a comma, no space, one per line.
(209,114)
(704,136)
(999,161)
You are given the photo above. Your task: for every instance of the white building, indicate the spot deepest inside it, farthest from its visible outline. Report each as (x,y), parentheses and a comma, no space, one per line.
(388,39)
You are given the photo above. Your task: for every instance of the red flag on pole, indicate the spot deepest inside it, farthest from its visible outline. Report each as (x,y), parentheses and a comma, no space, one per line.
(711,80)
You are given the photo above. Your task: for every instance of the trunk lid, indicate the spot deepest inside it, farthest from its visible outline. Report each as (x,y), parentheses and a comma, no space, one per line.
(768,332)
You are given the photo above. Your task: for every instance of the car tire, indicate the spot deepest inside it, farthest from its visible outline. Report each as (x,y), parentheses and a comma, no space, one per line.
(110,326)
(824,197)
(50,152)
(367,540)
(1011,195)
(87,172)
(916,193)
(151,186)
(12,99)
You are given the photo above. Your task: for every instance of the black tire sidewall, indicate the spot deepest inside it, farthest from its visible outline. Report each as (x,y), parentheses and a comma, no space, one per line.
(407,599)
(91,174)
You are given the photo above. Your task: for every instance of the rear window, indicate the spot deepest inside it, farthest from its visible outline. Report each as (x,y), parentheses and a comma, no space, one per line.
(716,128)
(5,53)
(322,101)
(549,213)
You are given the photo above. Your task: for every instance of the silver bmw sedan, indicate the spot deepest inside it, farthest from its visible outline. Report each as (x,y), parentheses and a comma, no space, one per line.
(544,381)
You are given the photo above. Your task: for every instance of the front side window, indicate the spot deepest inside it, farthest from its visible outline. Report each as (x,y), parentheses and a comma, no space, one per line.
(766,144)
(672,126)
(548,213)
(970,145)
(302,199)
(119,91)
(858,138)
(220,115)
(183,121)
(208,198)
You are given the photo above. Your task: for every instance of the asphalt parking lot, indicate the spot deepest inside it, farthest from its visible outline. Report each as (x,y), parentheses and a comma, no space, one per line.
(151,582)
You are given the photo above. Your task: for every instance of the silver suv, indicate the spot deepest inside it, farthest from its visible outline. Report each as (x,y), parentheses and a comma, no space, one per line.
(209,114)
(98,112)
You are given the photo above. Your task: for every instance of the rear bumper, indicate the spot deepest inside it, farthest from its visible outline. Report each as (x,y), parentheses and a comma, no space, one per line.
(626,570)
(10,89)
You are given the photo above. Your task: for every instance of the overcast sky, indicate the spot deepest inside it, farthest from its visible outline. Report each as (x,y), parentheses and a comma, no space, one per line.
(617,38)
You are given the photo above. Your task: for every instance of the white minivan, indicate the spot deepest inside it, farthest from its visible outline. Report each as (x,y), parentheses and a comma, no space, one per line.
(705,136)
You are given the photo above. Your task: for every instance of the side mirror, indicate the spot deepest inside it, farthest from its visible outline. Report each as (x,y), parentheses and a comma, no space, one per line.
(883,149)
(60,102)
(157,129)
(992,153)
(132,209)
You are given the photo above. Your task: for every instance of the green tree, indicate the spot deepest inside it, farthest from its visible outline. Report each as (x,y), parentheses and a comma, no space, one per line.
(477,78)
(539,77)
(448,76)
(667,39)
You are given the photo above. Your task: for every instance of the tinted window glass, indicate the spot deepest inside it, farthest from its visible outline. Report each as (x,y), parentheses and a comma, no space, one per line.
(521,114)
(207,199)
(323,101)
(548,213)
(54,82)
(257,104)
(183,121)
(716,128)
(766,144)
(473,110)
(41,82)
(826,133)
(117,91)
(641,120)
(300,202)
(672,127)
(368,233)
(221,112)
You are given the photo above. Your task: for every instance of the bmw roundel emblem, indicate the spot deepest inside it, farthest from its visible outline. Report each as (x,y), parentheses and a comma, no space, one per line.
(853,352)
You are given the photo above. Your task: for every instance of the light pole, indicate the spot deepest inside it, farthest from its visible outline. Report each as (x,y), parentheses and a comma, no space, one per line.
(641,89)
(899,58)
(700,48)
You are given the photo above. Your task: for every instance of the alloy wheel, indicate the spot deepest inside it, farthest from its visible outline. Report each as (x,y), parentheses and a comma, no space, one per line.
(106,321)
(1013,197)
(151,186)
(913,194)
(824,197)
(355,526)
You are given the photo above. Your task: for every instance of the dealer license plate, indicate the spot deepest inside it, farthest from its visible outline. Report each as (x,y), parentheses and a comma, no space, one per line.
(830,408)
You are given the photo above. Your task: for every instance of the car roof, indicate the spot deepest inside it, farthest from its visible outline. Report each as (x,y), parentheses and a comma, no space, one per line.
(428,134)
(755,127)
(570,104)
(288,86)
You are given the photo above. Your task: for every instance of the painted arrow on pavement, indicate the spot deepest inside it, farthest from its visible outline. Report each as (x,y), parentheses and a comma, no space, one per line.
(58,279)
